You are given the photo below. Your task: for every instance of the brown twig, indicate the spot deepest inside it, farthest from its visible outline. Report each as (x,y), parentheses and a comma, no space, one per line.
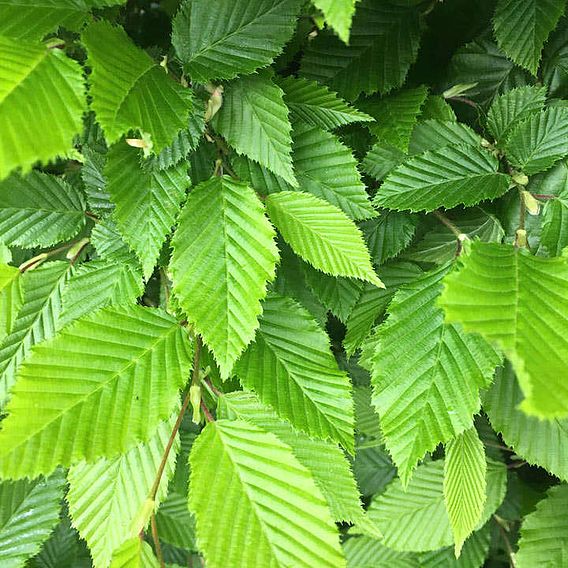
(156,539)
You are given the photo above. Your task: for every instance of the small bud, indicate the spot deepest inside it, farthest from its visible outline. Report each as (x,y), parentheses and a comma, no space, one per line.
(520,179)
(195,400)
(458,90)
(521,238)
(141,519)
(531,204)
(76,248)
(214,103)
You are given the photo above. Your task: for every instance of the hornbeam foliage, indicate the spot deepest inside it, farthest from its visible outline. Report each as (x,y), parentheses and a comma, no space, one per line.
(283,283)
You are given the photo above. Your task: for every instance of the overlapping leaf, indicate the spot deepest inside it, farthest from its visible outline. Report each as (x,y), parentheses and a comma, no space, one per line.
(11,298)
(98,388)
(438,134)
(338,14)
(135,553)
(223,256)
(516,301)
(250,466)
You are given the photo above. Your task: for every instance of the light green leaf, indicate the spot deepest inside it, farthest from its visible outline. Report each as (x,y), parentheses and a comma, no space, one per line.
(316,105)
(224,255)
(291,368)
(538,142)
(415,355)
(544,533)
(325,461)
(326,168)
(109,243)
(443,178)
(130,91)
(322,235)
(100,283)
(383,43)
(415,518)
(39,210)
(438,134)
(522,27)
(513,107)
(539,442)
(92,174)
(107,496)
(254,121)
(36,320)
(516,301)
(29,512)
(258,177)
(235,41)
(37,121)
(338,14)
(96,389)
(554,235)
(135,553)
(250,467)
(11,298)
(465,484)
(33,19)
(147,201)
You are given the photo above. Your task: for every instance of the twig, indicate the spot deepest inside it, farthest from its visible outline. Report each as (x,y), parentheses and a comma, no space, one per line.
(156,539)
(206,412)
(460,237)
(511,554)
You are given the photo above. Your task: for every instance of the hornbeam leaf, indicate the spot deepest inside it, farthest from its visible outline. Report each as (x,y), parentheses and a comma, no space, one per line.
(383,43)
(415,518)
(381,160)
(135,553)
(326,462)
(254,121)
(291,368)
(235,41)
(98,388)
(251,466)
(465,484)
(106,496)
(315,104)
(539,442)
(147,201)
(544,533)
(11,298)
(517,302)
(223,256)
(521,28)
(36,321)
(338,14)
(538,142)
(438,134)
(29,512)
(322,235)
(39,210)
(130,91)
(37,121)
(426,374)
(33,19)
(443,178)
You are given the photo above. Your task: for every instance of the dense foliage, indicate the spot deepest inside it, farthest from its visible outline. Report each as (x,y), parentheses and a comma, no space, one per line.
(283,284)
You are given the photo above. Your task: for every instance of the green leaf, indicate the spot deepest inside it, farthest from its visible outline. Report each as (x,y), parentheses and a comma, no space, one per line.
(147,201)
(426,374)
(130,91)
(544,533)
(437,134)
(326,462)
(338,14)
(134,553)
(516,301)
(381,159)
(395,115)
(223,257)
(443,178)
(327,169)
(37,121)
(513,107)
(316,105)
(258,177)
(250,465)
(437,108)
(291,368)
(554,234)
(415,518)
(106,497)
(465,484)
(539,442)
(373,469)
(30,510)
(11,298)
(254,121)
(100,283)
(92,174)
(373,302)
(235,41)
(538,142)
(36,320)
(107,390)
(383,43)
(39,210)
(322,235)
(33,19)
(521,28)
